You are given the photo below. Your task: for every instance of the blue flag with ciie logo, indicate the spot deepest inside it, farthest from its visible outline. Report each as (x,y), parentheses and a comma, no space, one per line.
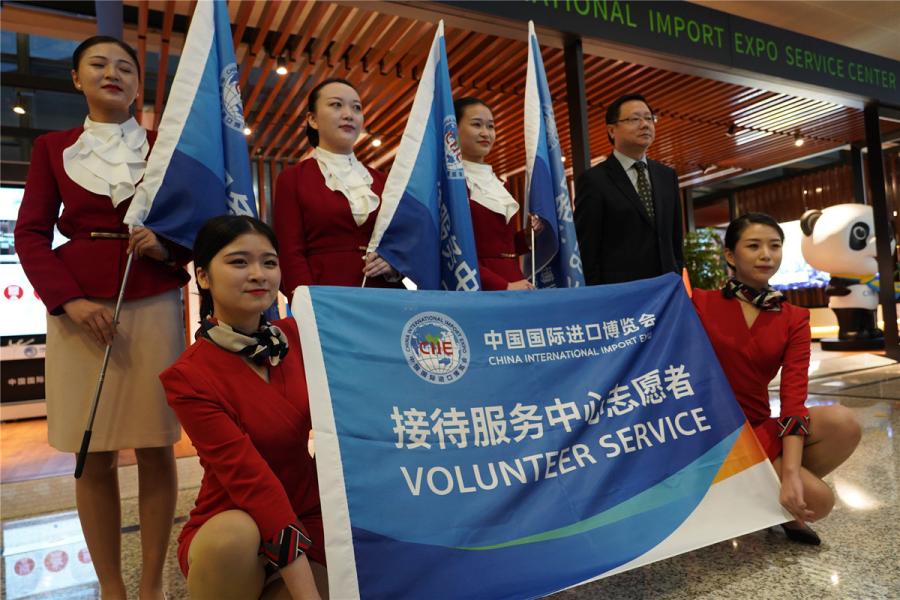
(199,167)
(512,444)
(424,227)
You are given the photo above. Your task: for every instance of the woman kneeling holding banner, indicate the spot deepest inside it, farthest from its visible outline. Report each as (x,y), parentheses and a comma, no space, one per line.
(754,333)
(240,392)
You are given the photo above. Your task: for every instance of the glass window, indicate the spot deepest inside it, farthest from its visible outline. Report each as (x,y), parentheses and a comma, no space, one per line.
(57,110)
(52,48)
(8,98)
(54,69)
(8,42)
(11,150)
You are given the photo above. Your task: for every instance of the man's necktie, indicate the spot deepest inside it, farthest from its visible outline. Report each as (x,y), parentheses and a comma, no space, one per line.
(643,187)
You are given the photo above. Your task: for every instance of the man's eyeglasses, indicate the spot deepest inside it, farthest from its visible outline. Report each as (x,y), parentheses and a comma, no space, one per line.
(649,119)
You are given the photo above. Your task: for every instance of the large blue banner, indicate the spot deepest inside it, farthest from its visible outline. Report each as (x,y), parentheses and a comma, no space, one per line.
(509,445)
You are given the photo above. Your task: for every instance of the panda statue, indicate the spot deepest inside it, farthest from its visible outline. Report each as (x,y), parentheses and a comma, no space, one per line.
(840,240)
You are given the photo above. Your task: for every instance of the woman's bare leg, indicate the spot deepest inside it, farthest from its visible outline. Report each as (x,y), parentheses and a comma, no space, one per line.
(157,494)
(100,513)
(818,496)
(834,434)
(223,560)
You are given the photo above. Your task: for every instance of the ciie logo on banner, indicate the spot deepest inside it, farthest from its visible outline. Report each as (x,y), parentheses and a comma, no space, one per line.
(435,347)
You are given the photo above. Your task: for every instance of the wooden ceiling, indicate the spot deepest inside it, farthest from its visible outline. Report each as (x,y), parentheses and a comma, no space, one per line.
(706,126)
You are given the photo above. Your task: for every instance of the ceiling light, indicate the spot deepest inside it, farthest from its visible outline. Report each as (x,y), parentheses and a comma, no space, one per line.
(19,106)
(564,159)
(282,67)
(376,142)
(247,131)
(798,141)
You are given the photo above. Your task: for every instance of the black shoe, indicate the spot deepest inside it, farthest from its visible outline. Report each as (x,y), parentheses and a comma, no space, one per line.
(802,535)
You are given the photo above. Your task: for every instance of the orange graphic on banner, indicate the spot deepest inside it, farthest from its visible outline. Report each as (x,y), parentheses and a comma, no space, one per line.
(745,453)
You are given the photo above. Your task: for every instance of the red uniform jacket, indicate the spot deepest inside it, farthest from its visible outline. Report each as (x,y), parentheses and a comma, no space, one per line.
(498,245)
(319,242)
(751,358)
(251,437)
(82,267)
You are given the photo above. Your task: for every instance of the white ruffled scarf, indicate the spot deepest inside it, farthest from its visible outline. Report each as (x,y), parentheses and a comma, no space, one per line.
(345,174)
(108,158)
(487,190)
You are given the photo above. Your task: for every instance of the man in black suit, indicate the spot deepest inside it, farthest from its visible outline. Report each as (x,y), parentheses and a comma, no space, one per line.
(627,208)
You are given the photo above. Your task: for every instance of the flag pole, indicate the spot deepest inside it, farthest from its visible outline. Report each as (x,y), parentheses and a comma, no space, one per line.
(533,276)
(86,440)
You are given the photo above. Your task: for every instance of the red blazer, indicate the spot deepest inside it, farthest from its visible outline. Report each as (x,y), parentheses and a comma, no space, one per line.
(751,357)
(251,437)
(498,245)
(319,242)
(82,267)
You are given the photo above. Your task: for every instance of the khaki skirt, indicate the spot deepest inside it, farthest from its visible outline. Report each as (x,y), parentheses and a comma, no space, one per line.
(132,412)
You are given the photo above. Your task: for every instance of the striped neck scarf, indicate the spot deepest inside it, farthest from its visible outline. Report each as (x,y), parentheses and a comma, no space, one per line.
(767,298)
(267,344)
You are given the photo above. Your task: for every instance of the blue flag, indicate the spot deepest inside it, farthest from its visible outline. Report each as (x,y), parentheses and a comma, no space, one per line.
(199,167)
(557,262)
(424,227)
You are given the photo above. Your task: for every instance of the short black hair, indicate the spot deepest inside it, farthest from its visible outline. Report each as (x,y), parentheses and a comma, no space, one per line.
(104,39)
(736,228)
(460,106)
(217,233)
(615,108)
(312,134)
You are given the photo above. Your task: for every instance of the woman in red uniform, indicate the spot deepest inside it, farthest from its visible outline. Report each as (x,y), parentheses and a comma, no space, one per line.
(754,333)
(91,172)
(240,392)
(325,207)
(496,240)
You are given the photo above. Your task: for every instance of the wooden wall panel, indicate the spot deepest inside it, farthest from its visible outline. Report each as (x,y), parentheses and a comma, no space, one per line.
(787,199)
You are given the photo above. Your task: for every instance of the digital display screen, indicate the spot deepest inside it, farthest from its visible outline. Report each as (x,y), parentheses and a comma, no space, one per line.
(22,313)
(795,272)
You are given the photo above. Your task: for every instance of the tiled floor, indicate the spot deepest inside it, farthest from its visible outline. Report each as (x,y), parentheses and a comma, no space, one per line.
(858,558)
(43,552)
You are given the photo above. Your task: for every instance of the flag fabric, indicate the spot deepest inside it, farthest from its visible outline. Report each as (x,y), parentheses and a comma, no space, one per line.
(424,227)
(556,257)
(199,167)
(512,445)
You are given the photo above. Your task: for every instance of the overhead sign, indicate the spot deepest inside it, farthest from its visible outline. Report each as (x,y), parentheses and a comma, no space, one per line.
(701,33)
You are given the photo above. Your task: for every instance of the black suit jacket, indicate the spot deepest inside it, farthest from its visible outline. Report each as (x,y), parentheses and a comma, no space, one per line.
(617,239)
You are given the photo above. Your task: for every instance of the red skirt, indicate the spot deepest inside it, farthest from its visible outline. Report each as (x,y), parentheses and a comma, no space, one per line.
(767,434)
